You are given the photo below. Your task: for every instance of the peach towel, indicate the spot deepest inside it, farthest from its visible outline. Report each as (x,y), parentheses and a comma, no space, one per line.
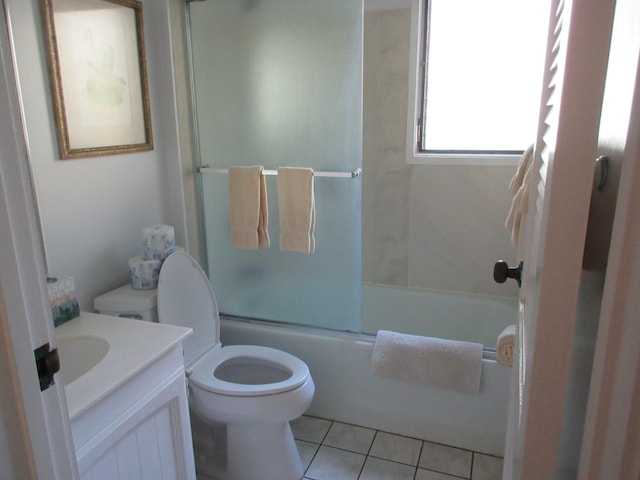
(296,204)
(519,187)
(248,209)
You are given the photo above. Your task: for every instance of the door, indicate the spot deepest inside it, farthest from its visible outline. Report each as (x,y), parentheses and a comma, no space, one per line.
(610,445)
(565,150)
(41,435)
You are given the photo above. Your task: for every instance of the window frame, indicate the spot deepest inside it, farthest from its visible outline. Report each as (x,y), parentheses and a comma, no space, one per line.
(417,59)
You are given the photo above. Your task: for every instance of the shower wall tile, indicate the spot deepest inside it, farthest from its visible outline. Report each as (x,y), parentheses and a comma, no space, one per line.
(457,228)
(387,177)
(436,227)
(370,109)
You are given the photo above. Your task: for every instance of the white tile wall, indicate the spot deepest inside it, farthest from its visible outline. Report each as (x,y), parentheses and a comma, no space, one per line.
(438,227)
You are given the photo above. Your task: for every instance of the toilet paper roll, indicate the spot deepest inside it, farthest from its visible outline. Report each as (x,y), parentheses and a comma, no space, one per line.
(144,273)
(505,344)
(62,297)
(159,242)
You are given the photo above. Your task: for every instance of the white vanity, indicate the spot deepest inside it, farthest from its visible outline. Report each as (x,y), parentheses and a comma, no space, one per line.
(127,400)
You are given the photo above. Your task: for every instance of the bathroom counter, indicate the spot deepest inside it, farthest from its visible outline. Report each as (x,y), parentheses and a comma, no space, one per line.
(133,347)
(126,396)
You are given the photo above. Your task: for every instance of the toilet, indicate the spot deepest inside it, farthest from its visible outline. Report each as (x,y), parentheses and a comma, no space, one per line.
(255,391)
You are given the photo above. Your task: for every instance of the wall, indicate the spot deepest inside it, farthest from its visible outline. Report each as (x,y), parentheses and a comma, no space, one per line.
(93,210)
(436,227)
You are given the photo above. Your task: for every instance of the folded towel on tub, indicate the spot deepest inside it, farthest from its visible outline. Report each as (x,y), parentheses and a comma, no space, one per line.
(449,364)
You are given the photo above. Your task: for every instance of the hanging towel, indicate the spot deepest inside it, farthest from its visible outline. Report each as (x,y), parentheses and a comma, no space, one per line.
(505,344)
(441,363)
(519,186)
(248,209)
(297,209)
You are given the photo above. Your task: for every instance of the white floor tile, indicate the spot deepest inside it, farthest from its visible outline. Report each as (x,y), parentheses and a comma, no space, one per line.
(331,450)
(486,467)
(423,474)
(378,469)
(307,450)
(310,429)
(443,459)
(349,437)
(335,464)
(396,448)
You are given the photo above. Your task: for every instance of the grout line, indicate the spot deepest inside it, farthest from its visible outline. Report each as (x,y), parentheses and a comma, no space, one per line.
(418,461)
(327,432)
(372,442)
(473,461)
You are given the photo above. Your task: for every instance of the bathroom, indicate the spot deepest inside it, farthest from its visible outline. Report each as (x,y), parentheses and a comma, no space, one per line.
(112,186)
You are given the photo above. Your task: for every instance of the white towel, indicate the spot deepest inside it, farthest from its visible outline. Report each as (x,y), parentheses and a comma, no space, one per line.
(248,209)
(296,204)
(519,186)
(442,363)
(518,178)
(505,344)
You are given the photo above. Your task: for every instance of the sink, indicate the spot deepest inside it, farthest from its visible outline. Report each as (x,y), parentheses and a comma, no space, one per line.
(79,354)
(100,354)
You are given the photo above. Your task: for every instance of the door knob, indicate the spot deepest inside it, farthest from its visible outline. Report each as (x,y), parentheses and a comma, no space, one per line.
(501,272)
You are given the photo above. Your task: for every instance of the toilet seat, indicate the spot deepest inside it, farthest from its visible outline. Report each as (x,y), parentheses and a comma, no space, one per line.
(294,369)
(186,298)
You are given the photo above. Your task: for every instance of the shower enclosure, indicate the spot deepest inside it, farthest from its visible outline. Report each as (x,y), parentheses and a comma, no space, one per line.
(324,85)
(278,83)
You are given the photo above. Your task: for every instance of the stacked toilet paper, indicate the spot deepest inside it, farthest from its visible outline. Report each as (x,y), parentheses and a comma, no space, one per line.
(158,243)
(63,300)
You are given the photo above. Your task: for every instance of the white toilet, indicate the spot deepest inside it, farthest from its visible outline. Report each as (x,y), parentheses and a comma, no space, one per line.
(254,390)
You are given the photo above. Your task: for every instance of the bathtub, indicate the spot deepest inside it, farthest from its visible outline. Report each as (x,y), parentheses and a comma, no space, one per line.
(347,391)
(435,313)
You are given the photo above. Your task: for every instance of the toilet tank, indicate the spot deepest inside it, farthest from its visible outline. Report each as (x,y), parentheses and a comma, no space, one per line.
(128,302)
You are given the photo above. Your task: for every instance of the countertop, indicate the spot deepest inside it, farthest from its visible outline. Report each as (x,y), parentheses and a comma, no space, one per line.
(133,346)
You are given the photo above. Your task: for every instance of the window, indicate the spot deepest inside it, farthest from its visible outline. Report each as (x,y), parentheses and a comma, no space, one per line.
(478,72)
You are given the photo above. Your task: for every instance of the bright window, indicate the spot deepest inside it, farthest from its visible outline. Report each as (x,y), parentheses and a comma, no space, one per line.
(478,79)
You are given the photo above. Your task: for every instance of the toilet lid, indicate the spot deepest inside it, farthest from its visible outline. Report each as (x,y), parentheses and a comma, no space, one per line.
(186,298)
(258,371)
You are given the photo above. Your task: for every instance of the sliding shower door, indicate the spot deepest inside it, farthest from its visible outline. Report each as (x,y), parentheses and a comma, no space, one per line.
(278,83)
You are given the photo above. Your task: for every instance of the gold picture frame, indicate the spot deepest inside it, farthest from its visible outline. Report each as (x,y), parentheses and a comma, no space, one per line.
(97,68)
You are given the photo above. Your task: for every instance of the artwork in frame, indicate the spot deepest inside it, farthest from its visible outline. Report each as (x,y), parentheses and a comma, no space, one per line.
(97,69)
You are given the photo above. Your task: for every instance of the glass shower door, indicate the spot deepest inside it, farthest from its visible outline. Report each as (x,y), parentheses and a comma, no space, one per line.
(279,83)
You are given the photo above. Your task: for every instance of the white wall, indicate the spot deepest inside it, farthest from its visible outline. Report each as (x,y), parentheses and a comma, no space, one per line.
(93,210)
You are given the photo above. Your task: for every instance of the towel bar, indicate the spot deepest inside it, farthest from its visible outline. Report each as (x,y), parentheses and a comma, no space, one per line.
(354,174)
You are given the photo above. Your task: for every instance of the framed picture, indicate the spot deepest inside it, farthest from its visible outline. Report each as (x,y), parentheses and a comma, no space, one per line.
(97,68)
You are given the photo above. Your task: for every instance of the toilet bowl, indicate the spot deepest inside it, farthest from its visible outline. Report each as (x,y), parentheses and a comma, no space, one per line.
(255,391)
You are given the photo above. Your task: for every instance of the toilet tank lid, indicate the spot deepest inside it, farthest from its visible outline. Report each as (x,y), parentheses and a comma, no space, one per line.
(126,299)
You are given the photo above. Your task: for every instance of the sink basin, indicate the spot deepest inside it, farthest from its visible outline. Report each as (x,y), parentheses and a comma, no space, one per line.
(80,354)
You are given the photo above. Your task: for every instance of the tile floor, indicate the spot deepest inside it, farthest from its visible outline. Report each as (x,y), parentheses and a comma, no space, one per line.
(332,450)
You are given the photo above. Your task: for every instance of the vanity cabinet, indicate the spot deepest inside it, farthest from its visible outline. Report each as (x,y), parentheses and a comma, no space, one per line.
(129,414)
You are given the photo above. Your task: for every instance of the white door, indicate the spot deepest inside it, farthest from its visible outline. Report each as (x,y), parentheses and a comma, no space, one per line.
(42,435)
(565,152)
(611,446)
